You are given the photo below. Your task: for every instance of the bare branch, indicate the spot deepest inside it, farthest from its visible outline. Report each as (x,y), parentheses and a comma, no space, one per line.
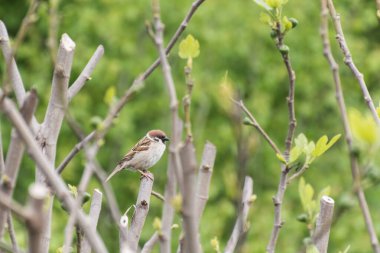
(141,211)
(298,173)
(148,247)
(349,61)
(53,29)
(59,187)
(15,154)
(13,72)
(170,192)
(16,208)
(86,73)
(189,210)
(28,20)
(12,233)
(204,177)
(2,164)
(38,194)
(255,124)
(96,206)
(323,224)
(240,226)
(347,130)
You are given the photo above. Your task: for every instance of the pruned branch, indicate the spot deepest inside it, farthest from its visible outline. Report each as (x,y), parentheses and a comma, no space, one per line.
(240,226)
(323,224)
(350,62)
(96,206)
(38,194)
(141,211)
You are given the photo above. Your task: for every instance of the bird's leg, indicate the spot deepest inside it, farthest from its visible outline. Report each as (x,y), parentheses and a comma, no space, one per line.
(144,173)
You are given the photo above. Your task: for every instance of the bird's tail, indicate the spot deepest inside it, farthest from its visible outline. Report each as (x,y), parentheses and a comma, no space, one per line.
(116,170)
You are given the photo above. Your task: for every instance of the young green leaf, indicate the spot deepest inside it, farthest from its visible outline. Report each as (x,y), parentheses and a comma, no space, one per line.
(364,127)
(275,4)
(312,249)
(286,23)
(323,145)
(301,141)
(189,48)
(281,158)
(295,152)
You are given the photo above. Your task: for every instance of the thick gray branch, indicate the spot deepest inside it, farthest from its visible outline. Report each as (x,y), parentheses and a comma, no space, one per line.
(38,193)
(204,177)
(142,209)
(322,228)
(189,210)
(240,226)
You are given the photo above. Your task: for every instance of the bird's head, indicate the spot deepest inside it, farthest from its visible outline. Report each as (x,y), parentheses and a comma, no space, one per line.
(158,135)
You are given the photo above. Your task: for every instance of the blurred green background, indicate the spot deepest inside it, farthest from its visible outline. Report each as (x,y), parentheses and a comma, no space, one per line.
(232,40)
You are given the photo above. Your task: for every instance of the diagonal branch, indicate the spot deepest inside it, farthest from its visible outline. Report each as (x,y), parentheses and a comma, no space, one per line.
(240,226)
(358,189)
(349,61)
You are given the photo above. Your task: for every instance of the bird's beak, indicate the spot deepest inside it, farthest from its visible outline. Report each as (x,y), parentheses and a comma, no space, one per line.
(166,139)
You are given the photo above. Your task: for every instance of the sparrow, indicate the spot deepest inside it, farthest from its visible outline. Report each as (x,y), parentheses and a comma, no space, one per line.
(146,153)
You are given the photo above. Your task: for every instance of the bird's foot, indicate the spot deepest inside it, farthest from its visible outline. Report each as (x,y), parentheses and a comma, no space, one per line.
(146,174)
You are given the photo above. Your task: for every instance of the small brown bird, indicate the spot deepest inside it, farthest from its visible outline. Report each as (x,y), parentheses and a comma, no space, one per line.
(146,153)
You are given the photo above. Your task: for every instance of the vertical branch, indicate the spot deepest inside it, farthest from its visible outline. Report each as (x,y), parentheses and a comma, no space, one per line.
(187,99)
(323,224)
(204,178)
(96,206)
(53,29)
(15,154)
(357,187)
(142,208)
(189,210)
(240,226)
(278,198)
(170,192)
(38,193)
(349,61)
(2,164)
(57,184)
(54,117)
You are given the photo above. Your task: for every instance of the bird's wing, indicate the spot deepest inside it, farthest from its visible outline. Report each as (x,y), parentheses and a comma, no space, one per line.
(142,145)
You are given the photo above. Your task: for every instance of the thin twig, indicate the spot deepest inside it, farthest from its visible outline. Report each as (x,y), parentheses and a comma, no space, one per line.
(257,126)
(53,29)
(158,195)
(57,184)
(148,246)
(347,130)
(8,203)
(322,228)
(349,61)
(86,73)
(298,173)
(278,198)
(30,18)
(12,233)
(240,226)
(2,164)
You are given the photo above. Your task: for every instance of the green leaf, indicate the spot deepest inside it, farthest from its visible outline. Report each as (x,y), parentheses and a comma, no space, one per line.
(364,127)
(263,4)
(295,152)
(286,23)
(109,96)
(306,193)
(301,141)
(333,140)
(323,145)
(266,18)
(189,48)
